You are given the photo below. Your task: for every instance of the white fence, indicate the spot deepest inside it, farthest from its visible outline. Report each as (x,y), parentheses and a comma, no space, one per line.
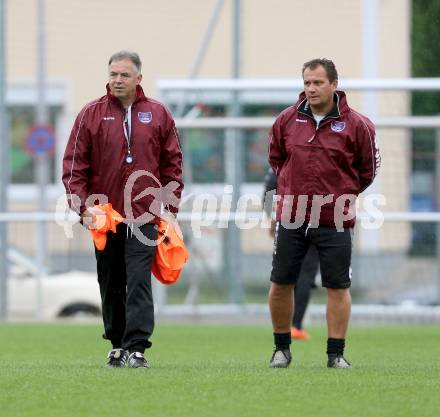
(194,306)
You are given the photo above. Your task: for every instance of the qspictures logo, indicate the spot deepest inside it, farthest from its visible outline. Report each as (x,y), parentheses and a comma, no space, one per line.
(209,209)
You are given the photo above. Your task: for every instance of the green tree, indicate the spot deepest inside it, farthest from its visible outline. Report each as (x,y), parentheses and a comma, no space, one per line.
(425,59)
(425,54)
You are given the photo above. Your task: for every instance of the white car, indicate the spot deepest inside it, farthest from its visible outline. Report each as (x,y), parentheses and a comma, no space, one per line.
(71,294)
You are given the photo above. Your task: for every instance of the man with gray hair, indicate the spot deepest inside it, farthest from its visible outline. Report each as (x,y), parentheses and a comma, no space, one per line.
(124,150)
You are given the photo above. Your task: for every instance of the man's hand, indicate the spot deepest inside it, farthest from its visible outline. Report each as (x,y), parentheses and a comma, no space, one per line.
(93,218)
(170,218)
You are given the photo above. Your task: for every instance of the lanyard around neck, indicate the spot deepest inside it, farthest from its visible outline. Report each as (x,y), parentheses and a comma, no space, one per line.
(127,126)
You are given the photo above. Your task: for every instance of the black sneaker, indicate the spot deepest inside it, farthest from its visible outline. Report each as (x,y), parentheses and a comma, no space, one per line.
(117,358)
(281,358)
(137,360)
(338,362)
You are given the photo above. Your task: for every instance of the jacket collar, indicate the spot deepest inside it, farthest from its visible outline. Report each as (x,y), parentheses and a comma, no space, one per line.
(140,96)
(340,105)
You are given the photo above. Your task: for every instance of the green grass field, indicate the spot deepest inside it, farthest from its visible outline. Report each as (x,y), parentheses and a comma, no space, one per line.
(219,370)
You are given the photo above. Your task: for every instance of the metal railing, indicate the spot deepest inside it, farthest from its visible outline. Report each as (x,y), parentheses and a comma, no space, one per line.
(242,85)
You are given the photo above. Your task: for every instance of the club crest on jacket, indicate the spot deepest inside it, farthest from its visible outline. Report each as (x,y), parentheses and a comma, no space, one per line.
(337,126)
(145,117)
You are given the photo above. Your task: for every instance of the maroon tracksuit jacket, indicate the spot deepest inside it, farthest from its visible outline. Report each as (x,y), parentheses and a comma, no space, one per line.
(337,158)
(95,158)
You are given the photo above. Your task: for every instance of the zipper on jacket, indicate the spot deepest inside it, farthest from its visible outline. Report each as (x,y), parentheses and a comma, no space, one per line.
(307,229)
(309,115)
(318,126)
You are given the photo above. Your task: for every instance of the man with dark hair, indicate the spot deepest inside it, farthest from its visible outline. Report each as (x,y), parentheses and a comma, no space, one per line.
(327,64)
(324,155)
(124,150)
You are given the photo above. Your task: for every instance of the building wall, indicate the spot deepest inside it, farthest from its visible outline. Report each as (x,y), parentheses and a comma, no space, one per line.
(277,38)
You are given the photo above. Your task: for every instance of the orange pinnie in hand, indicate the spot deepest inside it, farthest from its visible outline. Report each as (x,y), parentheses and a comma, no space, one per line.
(171,254)
(105,219)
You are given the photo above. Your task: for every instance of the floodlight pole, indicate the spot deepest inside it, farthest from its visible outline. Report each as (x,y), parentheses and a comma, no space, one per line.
(194,73)
(234,158)
(160,290)
(369,239)
(4,168)
(41,161)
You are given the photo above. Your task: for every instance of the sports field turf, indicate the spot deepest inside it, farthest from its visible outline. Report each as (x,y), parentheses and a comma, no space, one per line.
(219,370)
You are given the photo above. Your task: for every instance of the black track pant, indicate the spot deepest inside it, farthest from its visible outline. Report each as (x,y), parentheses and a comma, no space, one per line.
(124,276)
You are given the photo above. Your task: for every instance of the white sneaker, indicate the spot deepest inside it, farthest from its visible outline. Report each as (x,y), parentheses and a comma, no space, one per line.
(280,358)
(338,361)
(117,358)
(137,360)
